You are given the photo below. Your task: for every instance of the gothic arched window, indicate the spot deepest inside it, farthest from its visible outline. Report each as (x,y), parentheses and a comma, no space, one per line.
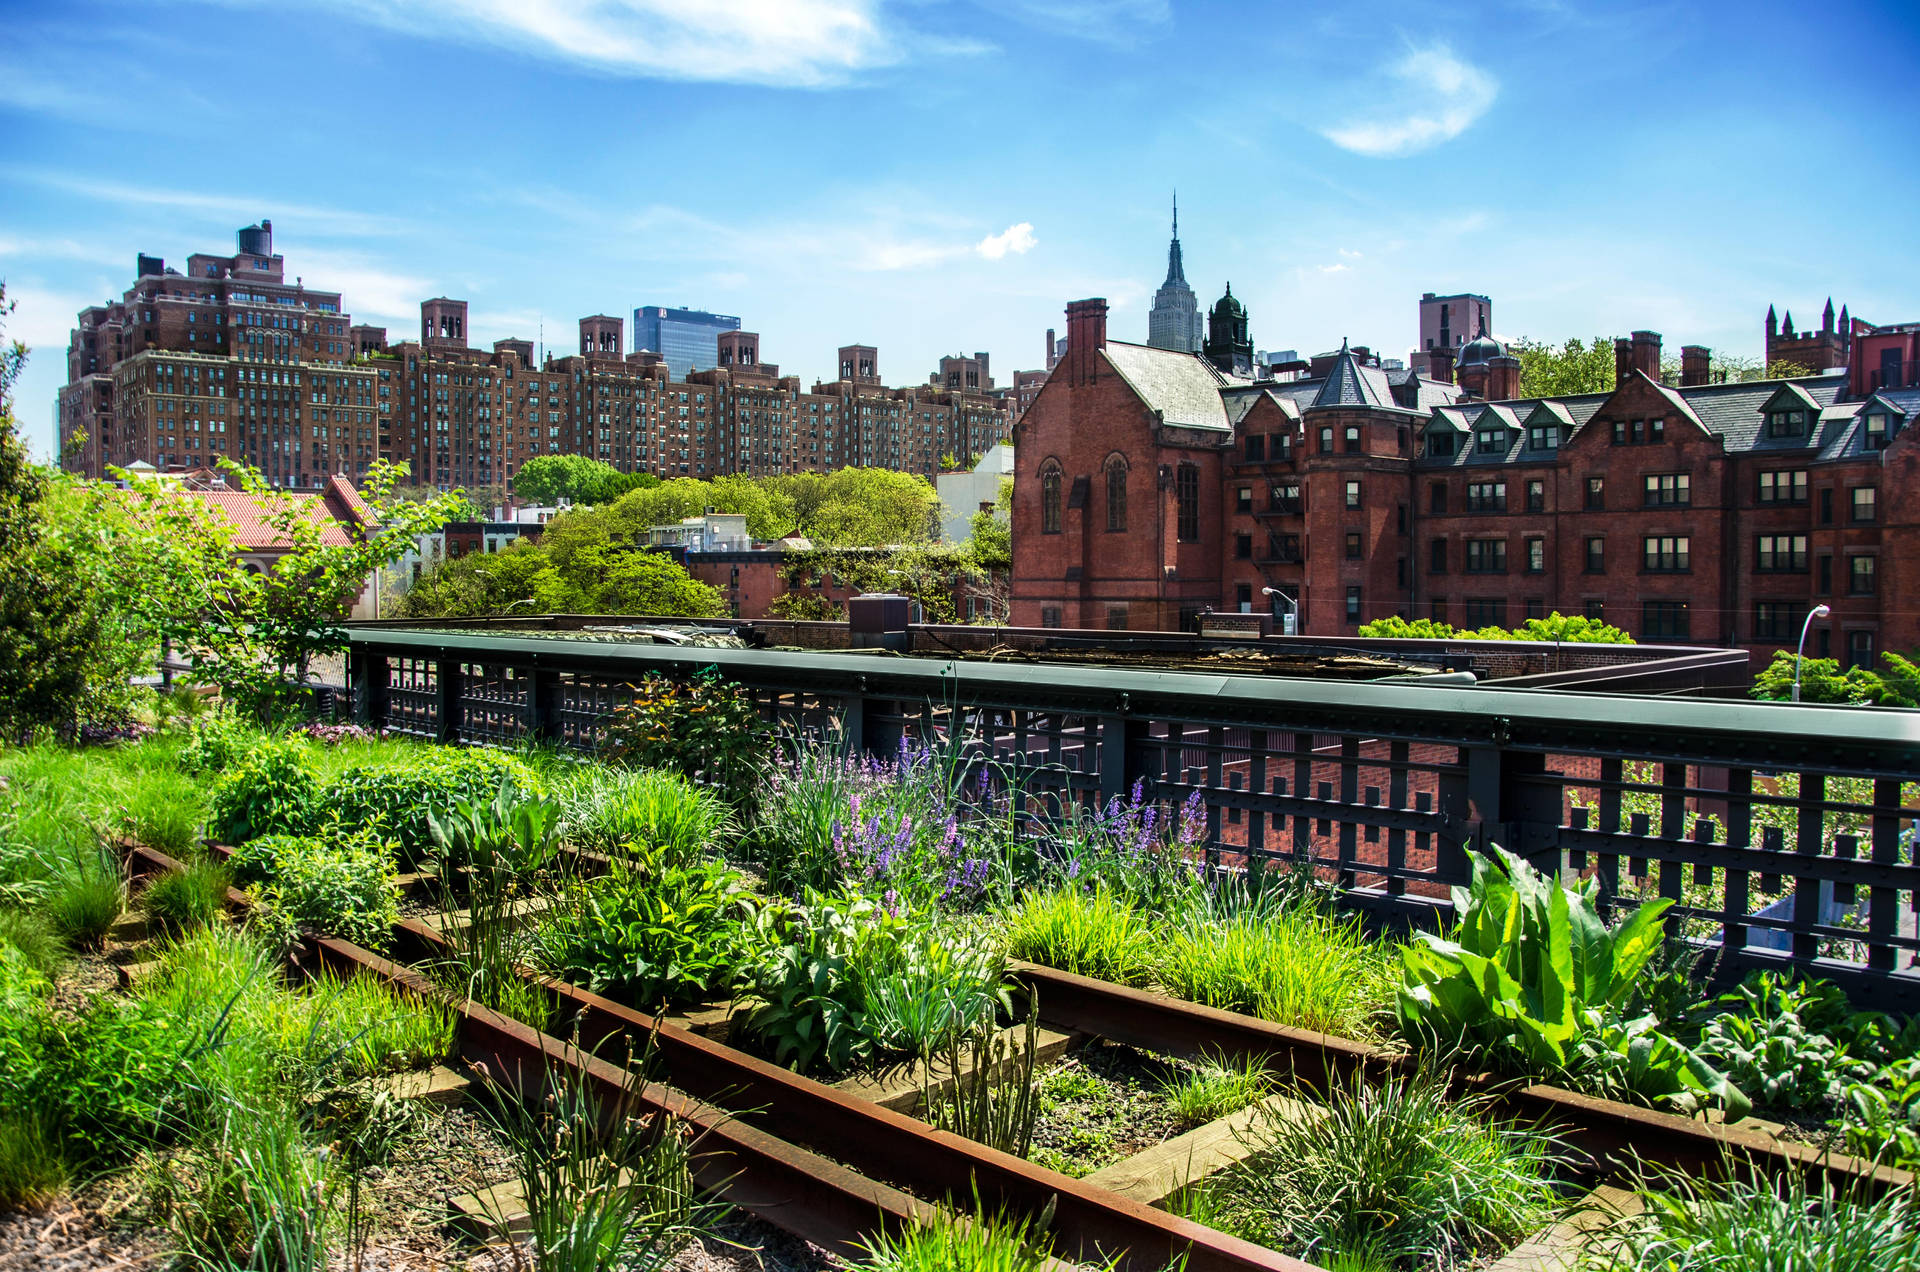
(1117,492)
(1050,498)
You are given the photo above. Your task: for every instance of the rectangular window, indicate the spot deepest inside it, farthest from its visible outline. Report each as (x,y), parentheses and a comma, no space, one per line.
(1536,607)
(1826,506)
(1596,610)
(1536,496)
(1490,441)
(1117,618)
(1353,494)
(1596,493)
(1284,497)
(1666,553)
(1187,492)
(1256,447)
(1860,649)
(1353,547)
(1486,556)
(1780,554)
(1860,571)
(1437,609)
(1668,490)
(1243,546)
(1823,571)
(1863,503)
(1880,428)
(1243,499)
(1437,557)
(1353,605)
(1536,556)
(1437,498)
(1326,440)
(1353,438)
(1486,611)
(1773,620)
(1543,437)
(1784,485)
(1596,555)
(1440,444)
(1663,620)
(1049,616)
(1786,424)
(1487,496)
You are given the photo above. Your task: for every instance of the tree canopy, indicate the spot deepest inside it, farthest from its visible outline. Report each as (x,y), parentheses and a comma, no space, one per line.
(1897,684)
(1574,367)
(1570,628)
(575,479)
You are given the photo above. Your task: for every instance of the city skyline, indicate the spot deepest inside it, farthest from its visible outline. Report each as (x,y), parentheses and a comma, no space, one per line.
(1360,161)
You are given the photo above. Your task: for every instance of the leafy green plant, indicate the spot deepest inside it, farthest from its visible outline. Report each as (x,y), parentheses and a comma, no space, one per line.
(1745,1224)
(1531,975)
(1395,1175)
(651,813)
(675,937)
(509,832)
(163,810)
(705,728)
(372,1028)
(1216,1088)
(258,1199)
(1882,1118)
(32,1171)
(1298,967)
(1773,1036)
(345,890)
(217,742)
(271,790)
(1086,932)
(190,897)
(393,799)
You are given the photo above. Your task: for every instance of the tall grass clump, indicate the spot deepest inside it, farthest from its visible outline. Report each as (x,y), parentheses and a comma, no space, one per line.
(86,897)
(1089,933)
(949,1238)
(651,813)
(1752,1225)
(1215,1089)
(32,1171)
(1390,1177)
(1300,967)
(33,936)
(372,1028)
(191,897)
(163,809)
(254,1194)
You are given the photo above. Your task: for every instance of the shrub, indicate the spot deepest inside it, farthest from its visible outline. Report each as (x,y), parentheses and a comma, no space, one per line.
(115,1075)
(270,790)
(1394,1176)
(947,1240)
(217,743)
(1882,1119)
(1300,967)
(1089,933)
(652,813)
(394,800)
(86,899)
(344,890)
(1532,975)
(671,938)
(1134,847)
(23,1028)
(190,897)
(704,728)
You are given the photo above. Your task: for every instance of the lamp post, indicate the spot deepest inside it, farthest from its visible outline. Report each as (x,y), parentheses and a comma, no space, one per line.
(1800,650)
(1293,608)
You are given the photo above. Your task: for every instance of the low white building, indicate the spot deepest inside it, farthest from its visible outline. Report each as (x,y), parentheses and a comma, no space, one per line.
(975,491)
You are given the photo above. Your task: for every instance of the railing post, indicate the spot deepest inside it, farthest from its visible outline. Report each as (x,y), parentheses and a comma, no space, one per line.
(370,674)
(542,706)
(446,700)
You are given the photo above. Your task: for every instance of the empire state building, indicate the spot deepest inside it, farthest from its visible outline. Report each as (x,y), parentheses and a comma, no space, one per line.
(1174,320)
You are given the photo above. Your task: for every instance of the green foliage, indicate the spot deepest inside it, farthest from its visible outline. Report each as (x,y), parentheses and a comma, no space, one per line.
(86,899)
(24,990)
(1299,967)
(1748,1223)
(978,1083)
(163,809)
(1574,367)
(1531,974)
(1774,1038)
(704,728)
(578,479)
(344,889)
(32,1171)
(948,1239)
(394,800)
(1882,1117)
(845,980)
(652,813)
(1213,1090)
(1821,680)
(1555,627)
(257,1196)
(217,742)
(271,790)
(508,832)
(32,937)
(650,939)
(373,1028)
(1086,932)
(190,897)
(1393,1176)
(933,575)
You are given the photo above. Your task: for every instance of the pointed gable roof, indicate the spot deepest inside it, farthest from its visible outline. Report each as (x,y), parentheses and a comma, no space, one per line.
(1183,388)
(1351,384)
(1789,397)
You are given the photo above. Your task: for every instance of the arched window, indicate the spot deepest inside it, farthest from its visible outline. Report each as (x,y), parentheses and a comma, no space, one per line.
(1050,498)
(1116,492)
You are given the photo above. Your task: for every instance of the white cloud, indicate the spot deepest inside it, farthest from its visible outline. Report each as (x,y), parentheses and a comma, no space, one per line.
(786,43)
(1435,98)
(1105,21)
(1333,269)
(1352,256)
(368,292)
(1017,239)
(238,209)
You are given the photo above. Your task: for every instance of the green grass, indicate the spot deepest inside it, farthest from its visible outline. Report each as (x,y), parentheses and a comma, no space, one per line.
(947,1241)
(649,813)
(32,1170)
(164,809)
(1214,1090)
(373,1028)
(1745,1225)
(1298,967)
(1389,1177)
(192,897)
(86,898)
(1089,934)
(33,934)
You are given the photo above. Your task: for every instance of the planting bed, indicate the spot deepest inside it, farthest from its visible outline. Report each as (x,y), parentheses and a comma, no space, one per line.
(624,936)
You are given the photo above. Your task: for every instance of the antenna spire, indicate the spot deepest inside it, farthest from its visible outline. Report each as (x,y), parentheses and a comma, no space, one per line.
(1176,214)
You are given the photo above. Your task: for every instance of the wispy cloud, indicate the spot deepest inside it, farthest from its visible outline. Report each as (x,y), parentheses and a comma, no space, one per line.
(784,43)
(1105,21)
(1433,97)
(235,207)
(367,290)
(1017,239)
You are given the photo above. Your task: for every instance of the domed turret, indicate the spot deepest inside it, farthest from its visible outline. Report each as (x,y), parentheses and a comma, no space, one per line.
(1229,347)
(1482,349)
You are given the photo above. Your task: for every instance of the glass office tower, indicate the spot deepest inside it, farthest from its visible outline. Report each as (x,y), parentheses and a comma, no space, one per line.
(687,338)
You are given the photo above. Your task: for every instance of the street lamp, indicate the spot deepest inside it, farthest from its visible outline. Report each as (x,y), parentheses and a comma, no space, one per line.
(1818,611)
(1293,608)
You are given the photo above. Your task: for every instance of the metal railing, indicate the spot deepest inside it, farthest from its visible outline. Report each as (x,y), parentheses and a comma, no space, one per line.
(1783,834)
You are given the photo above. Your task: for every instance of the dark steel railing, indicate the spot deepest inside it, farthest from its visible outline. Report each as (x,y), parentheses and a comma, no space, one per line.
(1784,834)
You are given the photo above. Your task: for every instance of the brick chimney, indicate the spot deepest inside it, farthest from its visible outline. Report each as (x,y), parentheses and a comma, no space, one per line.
(1646,354)
(1694,363)
(1440,364)
(1049,362)
(1086,336)
(1622,360)
(1503,378)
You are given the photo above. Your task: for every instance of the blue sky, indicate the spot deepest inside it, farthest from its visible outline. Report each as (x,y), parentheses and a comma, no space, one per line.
(939,176)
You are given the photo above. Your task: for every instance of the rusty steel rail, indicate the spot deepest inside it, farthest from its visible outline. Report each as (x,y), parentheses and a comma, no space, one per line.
(1607,1130)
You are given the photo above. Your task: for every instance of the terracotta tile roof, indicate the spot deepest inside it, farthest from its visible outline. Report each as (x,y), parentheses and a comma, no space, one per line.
(337,507)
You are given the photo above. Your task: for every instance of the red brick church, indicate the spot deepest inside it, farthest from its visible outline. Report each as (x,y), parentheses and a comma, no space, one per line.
(1153,484)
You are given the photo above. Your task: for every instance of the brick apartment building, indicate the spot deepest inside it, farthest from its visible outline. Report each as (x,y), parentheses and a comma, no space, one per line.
(224,360)
(1151,486)
(227,360)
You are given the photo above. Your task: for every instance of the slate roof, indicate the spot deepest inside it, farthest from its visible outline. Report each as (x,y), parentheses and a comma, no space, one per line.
(1465,418)
(1239,404)
(1185,389)
(1350,383)
(1733,411)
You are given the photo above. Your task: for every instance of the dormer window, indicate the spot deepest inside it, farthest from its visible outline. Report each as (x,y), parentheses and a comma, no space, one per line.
(1543,437)
(1882,426)
(1439,445)
(1490,441)
(1787,424)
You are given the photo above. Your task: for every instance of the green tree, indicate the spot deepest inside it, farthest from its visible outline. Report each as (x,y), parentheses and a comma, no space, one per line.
(1574,367)
(609,579)
(578,479)
(1554,627)
(1821,680)
(480,583)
